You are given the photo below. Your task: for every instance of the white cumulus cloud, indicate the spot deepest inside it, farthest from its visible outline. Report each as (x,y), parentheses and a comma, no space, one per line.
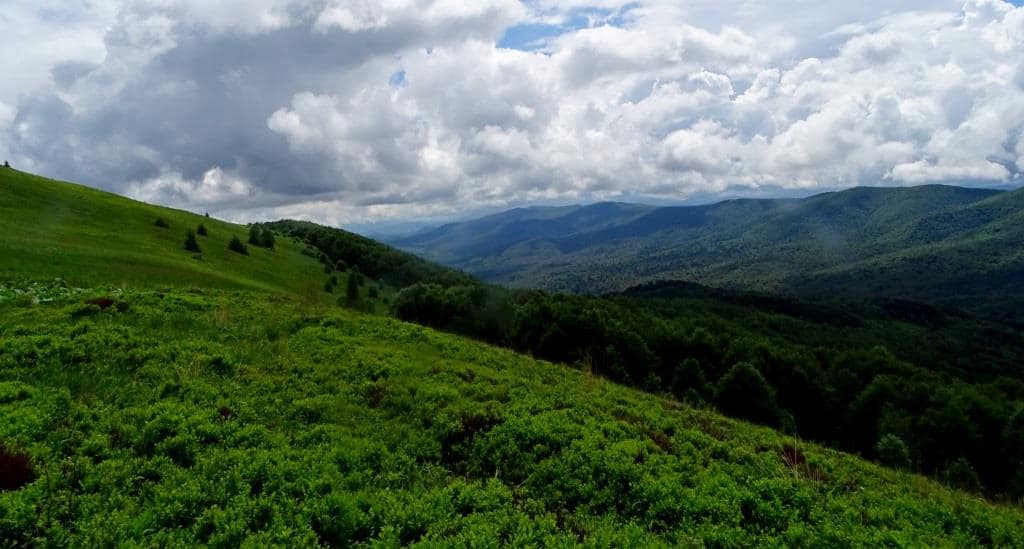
(353,111)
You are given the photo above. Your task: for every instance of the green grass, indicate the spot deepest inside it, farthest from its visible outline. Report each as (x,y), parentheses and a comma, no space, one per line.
(87,237)
(253,419)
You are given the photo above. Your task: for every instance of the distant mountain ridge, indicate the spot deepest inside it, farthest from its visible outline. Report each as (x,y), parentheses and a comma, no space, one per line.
(944,244)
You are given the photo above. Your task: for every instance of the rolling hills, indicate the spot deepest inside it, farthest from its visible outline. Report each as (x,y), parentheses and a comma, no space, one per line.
(939,244)
(156,398)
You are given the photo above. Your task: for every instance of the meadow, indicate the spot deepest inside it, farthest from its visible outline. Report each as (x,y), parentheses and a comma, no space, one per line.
(184,417)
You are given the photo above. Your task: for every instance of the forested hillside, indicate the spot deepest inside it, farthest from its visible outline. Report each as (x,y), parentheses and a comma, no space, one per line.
(939,244)
(943,384)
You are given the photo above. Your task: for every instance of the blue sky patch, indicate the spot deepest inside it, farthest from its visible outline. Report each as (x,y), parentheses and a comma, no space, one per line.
(534,36)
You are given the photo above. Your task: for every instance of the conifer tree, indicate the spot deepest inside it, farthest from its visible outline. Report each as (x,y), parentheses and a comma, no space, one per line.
(236,246)
(190,242)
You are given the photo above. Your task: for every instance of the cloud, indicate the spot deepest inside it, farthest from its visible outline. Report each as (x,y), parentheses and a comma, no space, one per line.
(216,187)
(356,111)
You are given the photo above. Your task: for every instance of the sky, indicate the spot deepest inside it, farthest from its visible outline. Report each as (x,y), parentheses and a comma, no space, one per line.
(354,112)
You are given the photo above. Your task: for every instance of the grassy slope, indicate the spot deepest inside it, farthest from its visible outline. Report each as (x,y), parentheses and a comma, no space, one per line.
(223,418)
(53,229)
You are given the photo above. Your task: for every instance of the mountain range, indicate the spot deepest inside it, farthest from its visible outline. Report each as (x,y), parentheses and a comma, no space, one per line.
(946,245)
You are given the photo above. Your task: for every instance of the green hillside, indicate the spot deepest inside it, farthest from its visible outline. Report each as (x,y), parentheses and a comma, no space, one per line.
(244,419)
(940,244)
(53,229)
(156,397)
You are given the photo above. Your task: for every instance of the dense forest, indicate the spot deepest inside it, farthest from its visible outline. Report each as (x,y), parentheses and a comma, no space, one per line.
(938,244)
(933,390)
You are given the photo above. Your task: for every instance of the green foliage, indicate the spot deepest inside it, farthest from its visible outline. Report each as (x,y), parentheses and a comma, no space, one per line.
(201,229)
(893,452)
(932,243)
(243,419)
(960,474)
(838,372)
(352,287)
(261,236)
(743,392)
(388,265)
(190,242)
(236,245)
(162,223)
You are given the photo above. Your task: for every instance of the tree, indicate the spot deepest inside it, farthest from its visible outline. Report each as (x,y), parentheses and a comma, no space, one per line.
(743,392)
(190,242)
(255,235)
(201,230)
(689,375)
(960,474)
(267,239)
(236,246)
(162,223)
(892,451)
(1013,452)
(7,164)
(352,288)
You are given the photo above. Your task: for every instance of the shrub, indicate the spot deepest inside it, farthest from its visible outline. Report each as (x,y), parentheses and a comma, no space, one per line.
(689,376)
(236,246)
(893,452)
(162,223)
(352,288)
(960,474)
(261,236)
(254,234)
(190,242)
(25,300)
(743,392)
(201,230)
(267,239)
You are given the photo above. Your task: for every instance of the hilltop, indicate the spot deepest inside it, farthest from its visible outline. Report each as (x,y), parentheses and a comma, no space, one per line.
(53,229)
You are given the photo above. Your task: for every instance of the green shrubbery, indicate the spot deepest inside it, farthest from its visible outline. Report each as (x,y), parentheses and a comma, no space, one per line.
(235,245)
(261,236)
(178,424)
(191,244)
(892,451)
